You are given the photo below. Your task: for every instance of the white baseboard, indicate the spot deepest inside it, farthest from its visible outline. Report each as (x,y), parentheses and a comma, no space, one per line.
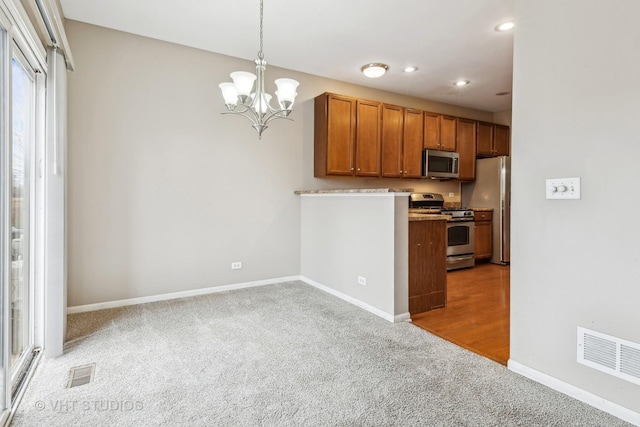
(363,305)
(404,317)
(575,392)
(174,295)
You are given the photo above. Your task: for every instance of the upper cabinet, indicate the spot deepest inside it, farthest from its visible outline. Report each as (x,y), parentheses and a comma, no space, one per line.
(466,142)
(355,137)
(347,136)
(439,132)
(392,134)
(402,142)
(368,114)
(412,143)
(492,140)
(501,141)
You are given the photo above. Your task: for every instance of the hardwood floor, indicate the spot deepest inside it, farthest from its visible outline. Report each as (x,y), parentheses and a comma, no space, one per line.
(477,313)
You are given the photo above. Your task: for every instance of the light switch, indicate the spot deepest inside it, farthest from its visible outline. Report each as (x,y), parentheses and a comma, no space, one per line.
(563,188)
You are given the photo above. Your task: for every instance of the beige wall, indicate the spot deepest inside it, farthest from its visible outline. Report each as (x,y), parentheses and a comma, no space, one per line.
(164,191)
(346,236)
(575,262)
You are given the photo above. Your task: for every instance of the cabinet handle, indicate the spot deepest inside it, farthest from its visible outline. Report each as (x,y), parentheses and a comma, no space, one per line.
(351,169)
(358,169)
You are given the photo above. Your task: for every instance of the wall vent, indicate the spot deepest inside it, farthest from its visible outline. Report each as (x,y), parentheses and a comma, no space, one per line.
(609,354)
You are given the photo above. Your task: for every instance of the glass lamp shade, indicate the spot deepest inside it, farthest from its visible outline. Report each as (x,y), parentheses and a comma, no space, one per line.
(286,92)
(243,82)
(261,106)
(229,93)
(375,70)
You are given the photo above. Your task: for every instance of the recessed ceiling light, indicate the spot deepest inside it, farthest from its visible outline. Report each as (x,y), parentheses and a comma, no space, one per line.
(505,26)
(374,70)
(410,69)
(461,83)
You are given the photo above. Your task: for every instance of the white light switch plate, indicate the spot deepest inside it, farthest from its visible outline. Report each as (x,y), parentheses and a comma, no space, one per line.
(563,188)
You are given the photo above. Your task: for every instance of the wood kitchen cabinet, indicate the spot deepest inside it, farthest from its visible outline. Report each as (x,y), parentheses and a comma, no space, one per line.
(412,143)
(401,142)
(483,231)
(347,136)
(466,143)
(392,134)
(355,137)
(492,140)
(368,114)
(439,132)
(427,265)
(501,140)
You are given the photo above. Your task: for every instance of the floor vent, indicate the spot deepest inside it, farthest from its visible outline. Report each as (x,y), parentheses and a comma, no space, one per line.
(81,375)
(609,354)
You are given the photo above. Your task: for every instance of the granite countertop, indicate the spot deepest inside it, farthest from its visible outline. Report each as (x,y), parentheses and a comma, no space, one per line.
(355,191)
(482,209)
(427,217)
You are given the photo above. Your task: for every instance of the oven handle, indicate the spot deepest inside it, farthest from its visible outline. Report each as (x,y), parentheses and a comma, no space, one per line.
(461,220)
(460,258)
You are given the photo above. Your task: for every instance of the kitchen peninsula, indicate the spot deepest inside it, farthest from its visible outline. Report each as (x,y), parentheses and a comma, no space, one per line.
(355,245)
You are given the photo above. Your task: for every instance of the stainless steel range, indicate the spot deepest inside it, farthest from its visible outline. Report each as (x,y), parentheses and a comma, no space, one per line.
(460,228)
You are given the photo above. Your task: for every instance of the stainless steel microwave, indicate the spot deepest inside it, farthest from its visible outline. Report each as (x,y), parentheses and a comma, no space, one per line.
(440,164)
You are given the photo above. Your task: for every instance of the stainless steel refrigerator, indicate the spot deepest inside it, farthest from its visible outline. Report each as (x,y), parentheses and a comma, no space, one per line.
(492,189)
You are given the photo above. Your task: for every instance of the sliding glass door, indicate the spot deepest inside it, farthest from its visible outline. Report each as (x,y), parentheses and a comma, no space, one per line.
(21,118)
(22,145)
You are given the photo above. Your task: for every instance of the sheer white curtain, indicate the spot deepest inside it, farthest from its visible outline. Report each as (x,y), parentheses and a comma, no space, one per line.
(55,170)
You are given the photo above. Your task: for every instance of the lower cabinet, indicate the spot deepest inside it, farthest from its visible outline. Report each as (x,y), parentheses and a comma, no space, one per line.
(483,247)
(427,265)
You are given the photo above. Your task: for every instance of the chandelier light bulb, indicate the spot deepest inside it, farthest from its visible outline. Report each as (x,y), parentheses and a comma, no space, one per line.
(243,82)
(286,92)
(229,93)
(262,105)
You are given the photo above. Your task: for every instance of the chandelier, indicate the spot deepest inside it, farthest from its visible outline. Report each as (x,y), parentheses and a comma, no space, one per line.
(239,98)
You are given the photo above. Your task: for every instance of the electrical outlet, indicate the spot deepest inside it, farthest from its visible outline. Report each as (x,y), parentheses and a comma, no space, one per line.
(236,265)
(452,194)
(362,281)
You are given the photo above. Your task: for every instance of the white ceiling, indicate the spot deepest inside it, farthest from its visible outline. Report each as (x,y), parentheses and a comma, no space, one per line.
(446,39)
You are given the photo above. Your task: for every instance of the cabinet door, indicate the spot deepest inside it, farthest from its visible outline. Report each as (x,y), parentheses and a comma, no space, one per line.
(501,141)
(447,133)
(392,128)
(483,244)
(485,139)
(340,135)
(413,143)
(466,143)
(431,131)
(368,138)
(427,265)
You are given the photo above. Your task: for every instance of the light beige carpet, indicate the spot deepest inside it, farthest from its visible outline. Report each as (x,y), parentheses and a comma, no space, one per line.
(280,355)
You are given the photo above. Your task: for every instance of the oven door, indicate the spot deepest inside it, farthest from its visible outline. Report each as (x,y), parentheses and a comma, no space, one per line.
(460,244)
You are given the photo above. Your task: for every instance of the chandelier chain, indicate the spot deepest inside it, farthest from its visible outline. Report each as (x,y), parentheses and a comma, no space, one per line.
(260,54)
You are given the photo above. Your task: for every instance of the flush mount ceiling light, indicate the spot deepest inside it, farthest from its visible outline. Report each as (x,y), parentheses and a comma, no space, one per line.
(505,26)
(255,106)
(374,70)
(410,69)
(461,83)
